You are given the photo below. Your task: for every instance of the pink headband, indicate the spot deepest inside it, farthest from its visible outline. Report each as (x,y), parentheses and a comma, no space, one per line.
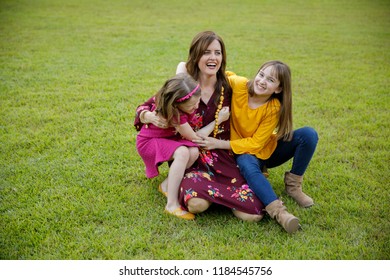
(188,95)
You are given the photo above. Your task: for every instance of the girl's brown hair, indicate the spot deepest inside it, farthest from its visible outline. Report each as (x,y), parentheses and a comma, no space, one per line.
(282,72)
(198,47)
(174,89)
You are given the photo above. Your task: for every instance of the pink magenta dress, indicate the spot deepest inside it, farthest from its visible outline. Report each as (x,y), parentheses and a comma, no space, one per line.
(156,145)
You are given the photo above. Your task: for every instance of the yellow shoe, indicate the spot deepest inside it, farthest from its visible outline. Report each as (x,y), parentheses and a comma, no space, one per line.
(180,213)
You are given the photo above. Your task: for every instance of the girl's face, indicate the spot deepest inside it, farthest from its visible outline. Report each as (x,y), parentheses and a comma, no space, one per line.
(190,105)
(211,60)
(265,82)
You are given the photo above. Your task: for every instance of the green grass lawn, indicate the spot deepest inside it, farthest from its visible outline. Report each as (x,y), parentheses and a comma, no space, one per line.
(72,185)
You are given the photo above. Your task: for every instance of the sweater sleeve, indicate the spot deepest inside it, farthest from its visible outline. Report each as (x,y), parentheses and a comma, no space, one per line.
(231,77)
(148,105)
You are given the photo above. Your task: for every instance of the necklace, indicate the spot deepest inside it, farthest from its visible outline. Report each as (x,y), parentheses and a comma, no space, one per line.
(221,98)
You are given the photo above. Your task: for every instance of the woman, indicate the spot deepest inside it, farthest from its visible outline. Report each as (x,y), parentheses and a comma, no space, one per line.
(214,178)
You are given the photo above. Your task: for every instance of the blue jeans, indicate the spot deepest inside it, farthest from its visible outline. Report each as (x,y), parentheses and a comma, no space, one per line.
(301,148)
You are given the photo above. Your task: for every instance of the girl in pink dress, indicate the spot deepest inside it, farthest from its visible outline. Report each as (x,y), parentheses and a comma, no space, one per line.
(176,102)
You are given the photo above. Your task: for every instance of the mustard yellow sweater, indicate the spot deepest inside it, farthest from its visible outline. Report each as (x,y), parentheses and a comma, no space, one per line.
(252,130)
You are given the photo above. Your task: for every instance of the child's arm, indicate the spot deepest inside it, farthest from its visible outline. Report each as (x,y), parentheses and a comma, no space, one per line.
(222,116)
(187,132)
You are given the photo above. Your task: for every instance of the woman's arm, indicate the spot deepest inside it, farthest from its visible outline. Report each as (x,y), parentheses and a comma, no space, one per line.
(144,115)
(211,143)
(181,68)
(252,144)
(139,112)
(244,145)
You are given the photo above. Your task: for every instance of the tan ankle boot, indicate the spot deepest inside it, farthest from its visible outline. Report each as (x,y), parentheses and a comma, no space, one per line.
(278,211)
(293,185)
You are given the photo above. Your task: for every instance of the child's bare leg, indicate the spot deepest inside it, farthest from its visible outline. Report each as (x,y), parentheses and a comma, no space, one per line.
(194,154)
(175,175)
(164,185)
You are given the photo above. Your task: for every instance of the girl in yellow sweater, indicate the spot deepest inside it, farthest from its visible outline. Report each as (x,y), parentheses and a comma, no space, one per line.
(262,136)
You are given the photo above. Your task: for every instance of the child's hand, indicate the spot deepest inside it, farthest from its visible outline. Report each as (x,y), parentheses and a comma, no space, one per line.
(223,115)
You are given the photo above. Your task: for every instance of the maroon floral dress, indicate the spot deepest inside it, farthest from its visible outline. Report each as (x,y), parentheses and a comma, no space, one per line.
(215,176)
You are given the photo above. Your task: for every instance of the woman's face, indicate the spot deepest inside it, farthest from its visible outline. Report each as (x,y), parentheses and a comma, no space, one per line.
(211,60)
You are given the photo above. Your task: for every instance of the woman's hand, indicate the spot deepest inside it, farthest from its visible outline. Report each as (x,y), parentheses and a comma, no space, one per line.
(153,118)
(223,115)
(210,143)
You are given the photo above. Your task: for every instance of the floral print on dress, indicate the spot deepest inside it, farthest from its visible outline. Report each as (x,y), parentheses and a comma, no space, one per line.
(196,122)
(197,176)
(209,160)
(214,192)
(208,157)
(243,193)
(190,193)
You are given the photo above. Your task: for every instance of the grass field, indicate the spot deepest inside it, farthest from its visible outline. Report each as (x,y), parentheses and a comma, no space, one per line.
(72,185)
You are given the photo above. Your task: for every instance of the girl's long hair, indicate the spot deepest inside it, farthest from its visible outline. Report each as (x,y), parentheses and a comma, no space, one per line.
(282,72)
(166,98)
